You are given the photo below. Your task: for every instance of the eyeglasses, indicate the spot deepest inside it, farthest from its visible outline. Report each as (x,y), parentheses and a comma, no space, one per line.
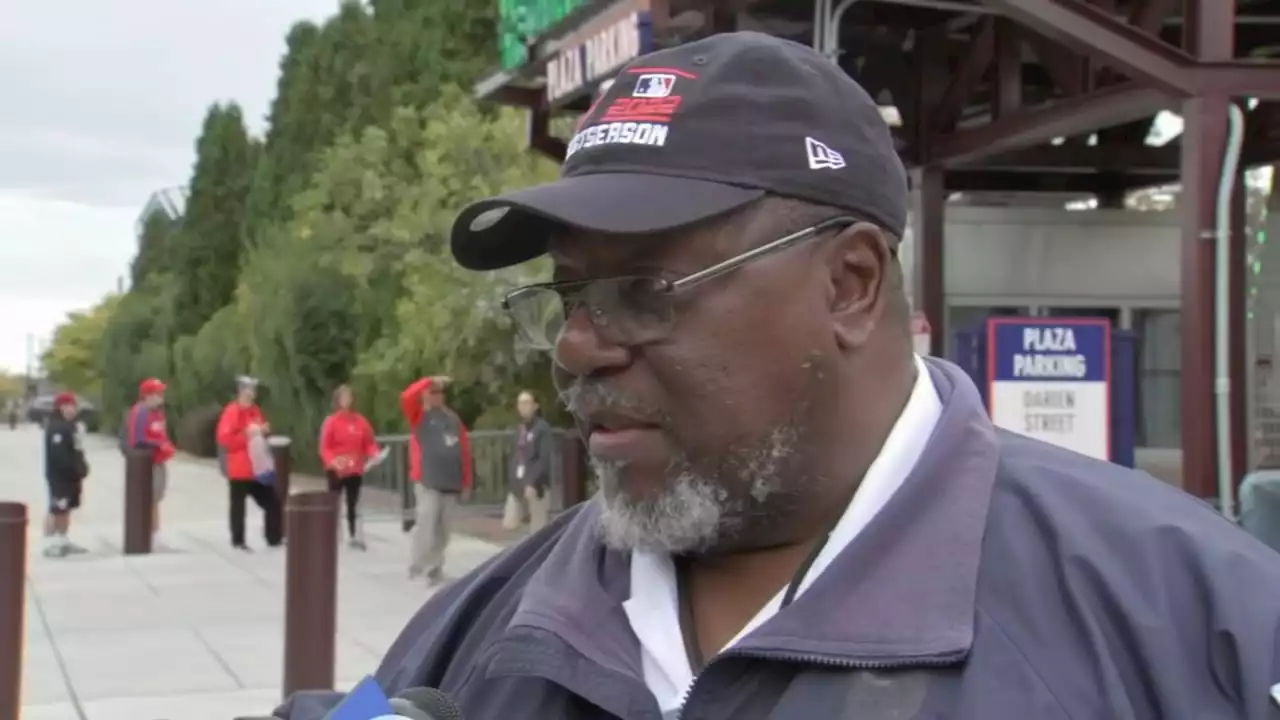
(628,310)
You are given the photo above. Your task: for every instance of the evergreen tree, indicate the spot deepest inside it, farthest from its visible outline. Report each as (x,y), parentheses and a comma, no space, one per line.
(206,255)
(158,232)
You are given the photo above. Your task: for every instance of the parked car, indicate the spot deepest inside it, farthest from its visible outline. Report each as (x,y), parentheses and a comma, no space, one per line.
(39,410)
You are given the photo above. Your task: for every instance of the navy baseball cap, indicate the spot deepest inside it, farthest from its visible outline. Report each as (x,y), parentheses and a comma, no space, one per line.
(697,131)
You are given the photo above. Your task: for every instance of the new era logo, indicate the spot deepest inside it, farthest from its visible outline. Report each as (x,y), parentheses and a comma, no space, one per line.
(822,157)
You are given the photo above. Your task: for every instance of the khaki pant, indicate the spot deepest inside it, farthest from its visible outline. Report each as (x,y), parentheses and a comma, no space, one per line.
(159,482)
(517,508)
(430,530)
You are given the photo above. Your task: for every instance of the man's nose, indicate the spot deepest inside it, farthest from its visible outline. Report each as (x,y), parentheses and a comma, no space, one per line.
(580,351)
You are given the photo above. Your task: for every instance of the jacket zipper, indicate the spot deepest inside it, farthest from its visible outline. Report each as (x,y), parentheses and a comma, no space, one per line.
(822,660)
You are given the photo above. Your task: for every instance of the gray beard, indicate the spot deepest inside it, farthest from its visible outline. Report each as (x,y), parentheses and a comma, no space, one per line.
(697,512)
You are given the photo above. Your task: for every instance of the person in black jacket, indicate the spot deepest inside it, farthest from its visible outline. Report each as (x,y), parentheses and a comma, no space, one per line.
(65,469)
(529,476)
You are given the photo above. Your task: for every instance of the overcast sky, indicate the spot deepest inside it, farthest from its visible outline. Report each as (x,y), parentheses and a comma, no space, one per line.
(100,103)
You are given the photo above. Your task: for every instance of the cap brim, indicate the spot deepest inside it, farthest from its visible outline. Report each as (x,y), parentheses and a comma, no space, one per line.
(515,227)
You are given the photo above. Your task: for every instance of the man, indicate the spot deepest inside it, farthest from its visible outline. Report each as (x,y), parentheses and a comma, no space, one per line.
(440,470)
(65,469)
(146,430)
(530,468)
(794,509)
(242,432)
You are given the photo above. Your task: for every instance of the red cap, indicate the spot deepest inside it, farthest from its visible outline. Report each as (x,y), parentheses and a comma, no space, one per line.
(150,386)
(64,398)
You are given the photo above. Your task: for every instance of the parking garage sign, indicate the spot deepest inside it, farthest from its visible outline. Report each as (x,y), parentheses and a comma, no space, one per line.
(1050,379)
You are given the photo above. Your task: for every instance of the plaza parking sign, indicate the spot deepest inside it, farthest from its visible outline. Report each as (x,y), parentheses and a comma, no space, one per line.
(1050,379)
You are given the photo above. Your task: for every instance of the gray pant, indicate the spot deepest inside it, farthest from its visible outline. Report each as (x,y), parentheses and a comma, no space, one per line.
(430,530)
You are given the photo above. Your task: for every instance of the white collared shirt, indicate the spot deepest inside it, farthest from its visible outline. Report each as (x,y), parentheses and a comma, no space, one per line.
(653,608)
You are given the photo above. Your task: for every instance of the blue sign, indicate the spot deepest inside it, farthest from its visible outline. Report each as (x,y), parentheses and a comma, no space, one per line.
(366,701)
(1050,378)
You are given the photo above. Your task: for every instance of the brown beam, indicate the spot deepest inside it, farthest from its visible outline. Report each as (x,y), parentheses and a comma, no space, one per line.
(1097,34)
(965,78)
(985,180)
(930,89)
(1134,159)
(1210,35)
(517,96)
(1094,32)
(929,197)
(1238,78)
(1112,105)
(540,137)
(1148,15)
(1007,82)
(1065,68)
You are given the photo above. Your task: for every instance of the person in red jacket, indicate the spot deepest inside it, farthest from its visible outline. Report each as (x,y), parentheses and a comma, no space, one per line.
(440,469)
(145,428)
(346,447)
(242,428)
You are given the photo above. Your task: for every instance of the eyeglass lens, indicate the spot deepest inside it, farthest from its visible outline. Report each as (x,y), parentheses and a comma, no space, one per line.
(624,310)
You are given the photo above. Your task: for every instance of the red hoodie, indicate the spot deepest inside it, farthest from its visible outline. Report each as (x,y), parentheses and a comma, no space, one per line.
(346,433)
(234,438)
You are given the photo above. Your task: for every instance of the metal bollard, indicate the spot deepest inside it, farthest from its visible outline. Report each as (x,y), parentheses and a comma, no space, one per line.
(282,456)
(13,585)
(138,500)
(311,591)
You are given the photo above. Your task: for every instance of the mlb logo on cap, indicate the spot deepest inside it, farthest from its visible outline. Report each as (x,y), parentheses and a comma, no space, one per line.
(654,85)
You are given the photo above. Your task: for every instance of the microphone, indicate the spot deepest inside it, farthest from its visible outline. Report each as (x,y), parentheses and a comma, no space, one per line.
(424,703)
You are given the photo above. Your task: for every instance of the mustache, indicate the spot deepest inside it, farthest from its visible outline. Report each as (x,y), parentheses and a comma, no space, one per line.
(583,398)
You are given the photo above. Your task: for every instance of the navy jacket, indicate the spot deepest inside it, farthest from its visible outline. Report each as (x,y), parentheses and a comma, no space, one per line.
(64,460)
(1006,580)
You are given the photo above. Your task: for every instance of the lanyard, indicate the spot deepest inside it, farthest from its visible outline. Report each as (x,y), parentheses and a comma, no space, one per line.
(684,598)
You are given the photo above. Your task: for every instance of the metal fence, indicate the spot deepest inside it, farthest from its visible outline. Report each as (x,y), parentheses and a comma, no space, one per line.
(491,456)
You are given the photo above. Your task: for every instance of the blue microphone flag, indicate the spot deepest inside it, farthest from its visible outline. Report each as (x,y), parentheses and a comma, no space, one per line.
(366,701)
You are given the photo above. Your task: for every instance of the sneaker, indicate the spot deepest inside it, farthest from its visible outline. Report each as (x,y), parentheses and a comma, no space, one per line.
(415,574)
(435,578)
(54,551)
(71,548)
(357,544)
(242,548)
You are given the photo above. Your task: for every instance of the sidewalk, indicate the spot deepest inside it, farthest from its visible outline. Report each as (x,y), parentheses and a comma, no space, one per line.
(194,632)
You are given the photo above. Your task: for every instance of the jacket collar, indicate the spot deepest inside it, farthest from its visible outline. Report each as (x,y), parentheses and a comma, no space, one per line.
(904,590)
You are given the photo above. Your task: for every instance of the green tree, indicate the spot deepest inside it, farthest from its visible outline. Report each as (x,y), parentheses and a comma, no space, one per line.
(206,256)
(320,256)
(448,320)
(158,232)
(137,343)
(72,358)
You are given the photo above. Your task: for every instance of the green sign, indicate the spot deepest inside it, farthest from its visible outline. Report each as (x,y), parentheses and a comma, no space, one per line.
(520,21)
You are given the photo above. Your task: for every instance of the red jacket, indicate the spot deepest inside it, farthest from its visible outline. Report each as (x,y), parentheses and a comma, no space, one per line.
(233,438)
(346,433)
(146,429)
(411,407)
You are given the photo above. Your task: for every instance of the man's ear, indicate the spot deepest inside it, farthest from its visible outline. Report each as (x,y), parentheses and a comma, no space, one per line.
(858,262)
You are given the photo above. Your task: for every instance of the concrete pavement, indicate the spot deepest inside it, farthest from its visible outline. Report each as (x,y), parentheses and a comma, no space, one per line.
(193,632)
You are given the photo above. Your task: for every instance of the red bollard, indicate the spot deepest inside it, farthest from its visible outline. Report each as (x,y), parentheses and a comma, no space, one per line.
(310,591)
(13,585)
(138,499)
